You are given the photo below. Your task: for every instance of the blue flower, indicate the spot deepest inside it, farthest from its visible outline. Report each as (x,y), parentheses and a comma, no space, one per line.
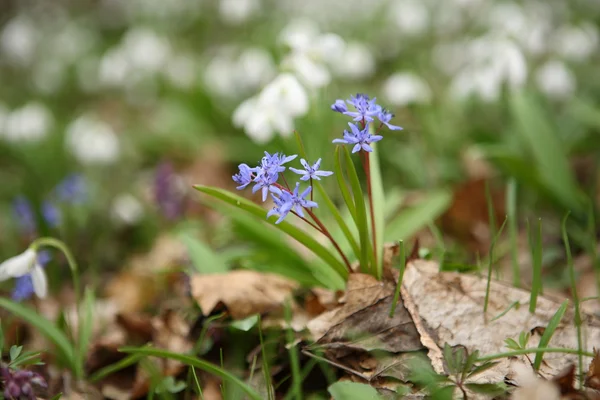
(310,172)
(288,201)
(72,189)
(385,116)
(359,138)
(366,108)
(24,289)
(339,106)
(25,215)
(283,203)
(51,214)
(244,177)
(267,173)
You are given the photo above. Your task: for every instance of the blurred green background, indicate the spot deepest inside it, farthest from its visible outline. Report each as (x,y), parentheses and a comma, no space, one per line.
(110,110)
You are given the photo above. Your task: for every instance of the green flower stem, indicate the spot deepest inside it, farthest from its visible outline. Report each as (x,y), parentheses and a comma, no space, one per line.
(325,232)
(536,350)
(366,161)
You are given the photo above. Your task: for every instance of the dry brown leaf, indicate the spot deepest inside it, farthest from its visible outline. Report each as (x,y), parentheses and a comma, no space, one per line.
(592,379)
(244,293)
(447,307)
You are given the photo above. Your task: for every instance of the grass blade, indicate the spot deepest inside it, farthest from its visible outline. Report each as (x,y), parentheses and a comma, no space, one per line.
(490,262)
(511,210)
(548,332)
(86,324)
(361,216)
(402,259)
(378,198)
(112,368)
(352,391)
(296,388)
(197,363)
(45,327)
(346,195)
(573,280)
(284,226)
(203,258)
(535,244)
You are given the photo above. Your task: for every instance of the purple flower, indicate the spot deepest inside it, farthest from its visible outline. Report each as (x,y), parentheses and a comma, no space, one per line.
(311,172)
(264,180)
(243,177)
(288,201)
(25,215)
(359,138)
(339,106)
(366,108)
(72,189)
(19,384)
(168,192)
(385,116)
(23,289)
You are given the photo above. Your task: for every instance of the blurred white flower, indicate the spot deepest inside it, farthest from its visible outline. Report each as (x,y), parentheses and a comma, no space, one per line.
(49,75)
(23,264)
(72,42)
(220,76)
(273,110)
(145,49)
(576,43)
(181,71)
(92,141)
(555,79)
(410,16)
(127,209)
(28,123)
(356,62)
(114,68)
(19,40)
(87,74)
(255,67)
(488,63)
(401,89)
(311,52)
(238,11)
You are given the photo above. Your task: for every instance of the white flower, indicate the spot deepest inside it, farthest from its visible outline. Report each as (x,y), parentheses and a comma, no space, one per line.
(28,123)
(410,16)
(577,43)
(19,40)
(255,68)
(273,110)
(23,264)
(127,209)
(237,11)
(555,79)
(405,88)
(146,50)
(92,141)
(356,62)
(181,71)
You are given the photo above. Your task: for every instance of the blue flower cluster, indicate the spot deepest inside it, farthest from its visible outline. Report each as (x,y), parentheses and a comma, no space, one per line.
(265,178)
(366,109)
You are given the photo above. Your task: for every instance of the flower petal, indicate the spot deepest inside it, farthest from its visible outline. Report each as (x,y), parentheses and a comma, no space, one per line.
(40,283)
(18,265)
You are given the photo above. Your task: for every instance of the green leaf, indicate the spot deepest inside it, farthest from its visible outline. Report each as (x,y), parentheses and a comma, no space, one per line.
(15,351)
(298,234)
(512,344)
(245,324)
(112,368)
(418,216)
(352,391)
(549,157)
(204,259)
(85,328)
(197,363)
(45,327)
(361,214)
(524,339)
(548,332)
(339,174)
(491,389)
(480,368)
(378,204)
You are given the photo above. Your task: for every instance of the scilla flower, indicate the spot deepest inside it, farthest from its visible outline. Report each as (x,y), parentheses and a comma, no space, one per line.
(24,264)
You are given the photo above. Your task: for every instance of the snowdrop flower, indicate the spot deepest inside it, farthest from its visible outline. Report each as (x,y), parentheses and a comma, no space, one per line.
(355,62)
(410,16)
(555,79)
(23,264)
(146,50)
(235,12)
(310,52)
(19,40)
(28,123)
(401,89)
(92,141)
(127,209)
(577,43)
(255,68)
(114,68)
(273,110)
